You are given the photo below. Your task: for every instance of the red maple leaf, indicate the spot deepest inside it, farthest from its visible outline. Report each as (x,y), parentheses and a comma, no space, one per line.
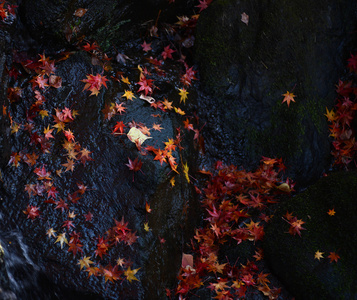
(352,63)
(102,247)
(32,212)
(135,165)
(167,53)
(119,128)
(145,85)
(94,83)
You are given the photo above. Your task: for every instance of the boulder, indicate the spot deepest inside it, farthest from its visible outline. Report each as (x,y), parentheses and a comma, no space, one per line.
(114,191)
(291,258)
(295,46)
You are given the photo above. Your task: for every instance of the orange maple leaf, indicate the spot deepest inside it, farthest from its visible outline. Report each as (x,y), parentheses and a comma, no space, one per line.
(288,97)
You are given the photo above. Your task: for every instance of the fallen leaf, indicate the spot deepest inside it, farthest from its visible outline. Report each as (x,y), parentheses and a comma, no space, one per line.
(245,18)
(135,135)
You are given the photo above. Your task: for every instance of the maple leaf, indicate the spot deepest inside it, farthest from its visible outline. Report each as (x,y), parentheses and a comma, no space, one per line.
(69,135)
(128,95)
(167,53)
(55,81)
(135,165)
(160,156)
(129,273)
(41,81)
(52,192)
(88,47)
(14,159)
(318,255)
(48,133)
(146,47)
(187,124)
(69,165)
(50,232)
(119,128)
(352,63)
(179,111)
(185,172)
(333,257)
(331,212)
(85,156)
(146,226)
(202,5)
(331,116)
(94,83)
(42,173)
(288,97)
(111,273)
(168,105)
(157,127)
(295,226)
(125,80)
(88,217)
(145,85)
(85,262)
(32,212)
(102,247)
(170,145)
(43,113)
(183,95)
(61,239)
(147,208)
(120,108)
(75,247)
(145,130)
(61,204)
(68,224)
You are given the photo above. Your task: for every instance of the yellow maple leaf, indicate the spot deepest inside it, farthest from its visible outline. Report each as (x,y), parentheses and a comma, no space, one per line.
(130,274)
(185,171)
(128,95)
(43,113)
(146,227)
(172,181)
(179,111)
(183,95)
(125,79)
(331,116)
(61,239)
(50,232)
(84,262)
(318,255)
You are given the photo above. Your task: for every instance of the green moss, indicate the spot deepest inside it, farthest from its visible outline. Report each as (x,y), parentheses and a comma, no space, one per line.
(312,278)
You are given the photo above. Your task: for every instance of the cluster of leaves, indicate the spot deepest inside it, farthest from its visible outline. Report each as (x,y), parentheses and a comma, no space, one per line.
(45,130)
(342,119)
(7,10)
(45,188)
(236,204)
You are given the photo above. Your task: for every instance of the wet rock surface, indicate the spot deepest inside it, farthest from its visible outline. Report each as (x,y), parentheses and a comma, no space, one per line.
(291,258)
(297,46)
(244,71)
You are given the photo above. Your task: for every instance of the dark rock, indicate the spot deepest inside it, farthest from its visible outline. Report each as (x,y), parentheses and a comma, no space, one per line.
(114,191)
(53,23)
(5,61)
(295,46)
(291,258)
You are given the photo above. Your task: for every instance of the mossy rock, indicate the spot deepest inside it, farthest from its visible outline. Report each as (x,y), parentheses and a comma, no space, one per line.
(291,258)
(294,46)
